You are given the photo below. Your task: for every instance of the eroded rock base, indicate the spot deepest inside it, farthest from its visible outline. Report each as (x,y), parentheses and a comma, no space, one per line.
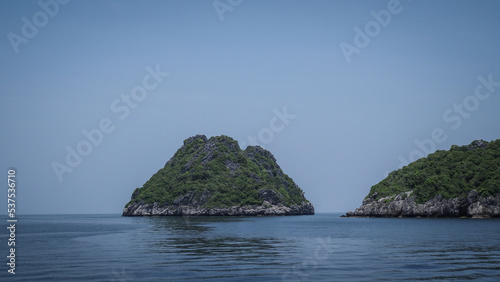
(404,205)
(155,209)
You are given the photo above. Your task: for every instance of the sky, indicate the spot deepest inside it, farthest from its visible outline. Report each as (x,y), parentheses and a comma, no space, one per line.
(96,96)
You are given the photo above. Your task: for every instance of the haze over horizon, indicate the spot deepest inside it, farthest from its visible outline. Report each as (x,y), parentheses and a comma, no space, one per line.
(341,92)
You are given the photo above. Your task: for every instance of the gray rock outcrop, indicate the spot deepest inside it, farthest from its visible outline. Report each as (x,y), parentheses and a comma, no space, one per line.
(404,205)
(187,205)
(141,209)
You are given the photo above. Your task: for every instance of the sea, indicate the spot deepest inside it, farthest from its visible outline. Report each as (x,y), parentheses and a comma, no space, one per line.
(321,247)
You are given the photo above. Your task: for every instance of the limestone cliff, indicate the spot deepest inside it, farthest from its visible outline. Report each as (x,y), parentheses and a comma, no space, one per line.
(404,205)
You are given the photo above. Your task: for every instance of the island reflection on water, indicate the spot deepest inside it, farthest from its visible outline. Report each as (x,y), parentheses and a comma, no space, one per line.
(323,247)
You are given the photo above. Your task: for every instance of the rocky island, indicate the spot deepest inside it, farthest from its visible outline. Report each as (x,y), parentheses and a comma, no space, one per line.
(215,177)
(461,182)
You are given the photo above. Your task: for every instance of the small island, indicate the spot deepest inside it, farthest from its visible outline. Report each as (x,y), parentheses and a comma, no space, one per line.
(214,177)
(462,182)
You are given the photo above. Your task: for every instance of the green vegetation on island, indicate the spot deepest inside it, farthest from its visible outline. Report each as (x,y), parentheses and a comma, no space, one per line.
(219,174)
(451,174)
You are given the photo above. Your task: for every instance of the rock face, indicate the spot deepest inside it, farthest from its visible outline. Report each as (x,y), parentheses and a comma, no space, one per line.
(155,209)
(215,177)
(403,205)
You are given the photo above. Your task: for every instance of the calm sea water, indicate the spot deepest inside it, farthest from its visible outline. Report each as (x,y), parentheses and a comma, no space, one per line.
(323,247)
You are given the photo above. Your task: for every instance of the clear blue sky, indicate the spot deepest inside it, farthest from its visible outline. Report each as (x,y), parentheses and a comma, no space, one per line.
(229,72)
